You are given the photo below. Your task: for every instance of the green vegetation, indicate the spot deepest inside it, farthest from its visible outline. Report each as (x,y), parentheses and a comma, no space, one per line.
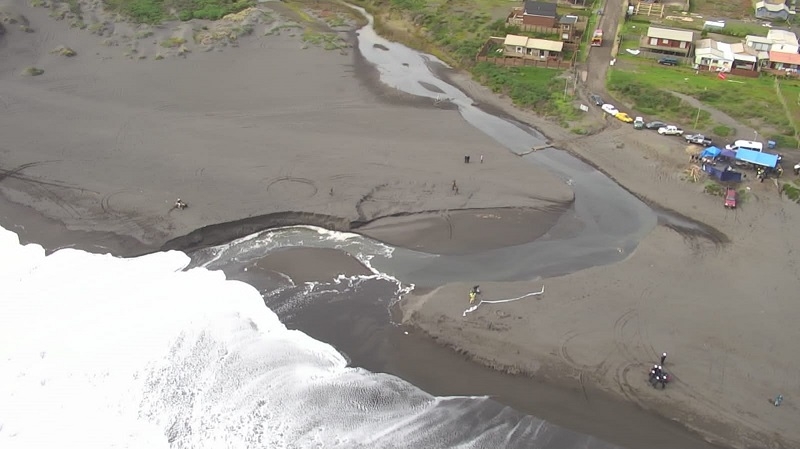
(722,8)
(791,191)
(32,71)
(533,87)
(63,51)
(656,102)
(712,188)
(328,41)
(155,11)
(173,42)
(722,131)
(751,100)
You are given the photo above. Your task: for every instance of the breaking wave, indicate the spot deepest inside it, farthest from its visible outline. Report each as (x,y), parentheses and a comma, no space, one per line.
(102,352)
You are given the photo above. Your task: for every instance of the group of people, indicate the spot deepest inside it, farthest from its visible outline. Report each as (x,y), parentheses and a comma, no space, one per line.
(658,375)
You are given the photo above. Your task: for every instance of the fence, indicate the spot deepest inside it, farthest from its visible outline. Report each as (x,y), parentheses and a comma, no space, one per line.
(521,62)
(511,61)
(649,9)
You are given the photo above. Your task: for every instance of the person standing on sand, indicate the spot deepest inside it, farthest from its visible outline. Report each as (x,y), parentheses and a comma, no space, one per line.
(481,159)
(454,186)
(663,357)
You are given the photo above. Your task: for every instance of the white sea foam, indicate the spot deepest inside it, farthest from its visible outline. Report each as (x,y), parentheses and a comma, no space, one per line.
(101,352)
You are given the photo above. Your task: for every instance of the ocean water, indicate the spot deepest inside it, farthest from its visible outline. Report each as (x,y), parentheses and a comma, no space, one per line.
(104,352)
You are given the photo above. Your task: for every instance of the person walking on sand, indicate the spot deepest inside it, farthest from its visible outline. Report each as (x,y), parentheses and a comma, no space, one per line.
(481,159)
(663,357)
(454,185)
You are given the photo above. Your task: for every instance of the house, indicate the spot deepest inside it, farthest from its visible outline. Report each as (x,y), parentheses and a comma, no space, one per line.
(668,41)
(716,56)
(788,62)
(532,48)
(773,10)
(566,27)
(779,40)
(541,14)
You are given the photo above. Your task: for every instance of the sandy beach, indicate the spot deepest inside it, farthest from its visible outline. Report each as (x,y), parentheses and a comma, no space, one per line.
(268,131)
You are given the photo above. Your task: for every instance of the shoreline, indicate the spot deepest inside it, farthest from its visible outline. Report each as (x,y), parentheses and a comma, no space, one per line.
(637,173)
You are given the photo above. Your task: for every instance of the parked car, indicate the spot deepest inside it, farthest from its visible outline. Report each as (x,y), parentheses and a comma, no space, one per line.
(730,198)
(597,100)
(655,125)
(698,139)
(638,123)
(621,116)
(610,109)
(670,130)
(668,61)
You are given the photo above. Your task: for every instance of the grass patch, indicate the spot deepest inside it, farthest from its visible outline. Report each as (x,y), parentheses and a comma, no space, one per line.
(714,189)
(277,29)
(32,71)
(791,191)
(328,41)
(753,101)
(173,42)
(722,8)
(656,102)
(533,87)
(63,51)
(156,11)
(722,131)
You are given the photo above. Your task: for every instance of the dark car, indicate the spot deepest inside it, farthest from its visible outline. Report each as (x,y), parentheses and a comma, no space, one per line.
(730,198)
(655,125)
(668,61)
(597,100)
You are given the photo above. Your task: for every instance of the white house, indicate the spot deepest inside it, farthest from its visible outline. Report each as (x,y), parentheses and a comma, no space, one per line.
(722,57)
(781,41)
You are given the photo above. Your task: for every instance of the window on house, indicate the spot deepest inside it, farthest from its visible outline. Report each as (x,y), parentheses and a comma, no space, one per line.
(653,41)
(521,50)
(683,44)
(664,41)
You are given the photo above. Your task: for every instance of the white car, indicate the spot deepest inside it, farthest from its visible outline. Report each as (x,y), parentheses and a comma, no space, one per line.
(609,109)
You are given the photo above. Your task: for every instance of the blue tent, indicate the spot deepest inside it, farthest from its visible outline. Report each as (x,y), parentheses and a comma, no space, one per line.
(758,158)
(711,152)
(726,175)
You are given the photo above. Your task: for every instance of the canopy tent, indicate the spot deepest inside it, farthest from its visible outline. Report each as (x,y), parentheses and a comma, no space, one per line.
(726,175)
(728,153)
(758,158)
(711,152)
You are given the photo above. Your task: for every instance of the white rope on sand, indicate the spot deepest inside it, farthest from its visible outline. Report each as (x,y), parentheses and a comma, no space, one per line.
(500,301)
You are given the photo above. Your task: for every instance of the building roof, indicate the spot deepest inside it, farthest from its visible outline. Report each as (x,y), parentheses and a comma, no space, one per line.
(773,7)
(540,9)
(671,34)
(529,42)
(782,37)
(544,44)
(758,39)
(724,51)
(568,20)
(784,48)
(785,58)
(516,41)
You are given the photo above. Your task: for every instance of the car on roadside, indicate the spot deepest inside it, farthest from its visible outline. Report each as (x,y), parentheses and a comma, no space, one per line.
(655,125)
(596,100)
(698,139)
(730,198)
(623,117)
(668,61)
(609,108)
(638,123)
(670,130)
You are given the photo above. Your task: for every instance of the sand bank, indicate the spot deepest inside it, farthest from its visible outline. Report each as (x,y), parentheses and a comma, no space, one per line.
(263,128)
